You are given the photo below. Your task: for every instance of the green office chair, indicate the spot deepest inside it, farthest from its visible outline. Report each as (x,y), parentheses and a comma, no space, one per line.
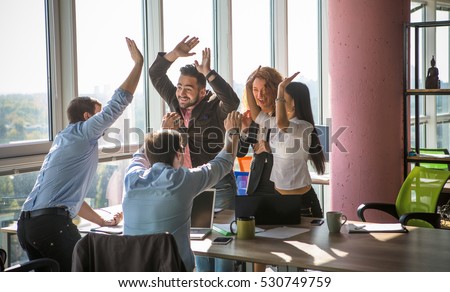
(417,200)
(440,166)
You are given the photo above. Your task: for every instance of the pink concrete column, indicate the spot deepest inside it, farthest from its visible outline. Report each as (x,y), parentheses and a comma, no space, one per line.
(366,78)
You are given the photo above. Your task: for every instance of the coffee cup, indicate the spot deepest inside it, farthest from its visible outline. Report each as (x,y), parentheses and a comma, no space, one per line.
(245,227)
(335,220)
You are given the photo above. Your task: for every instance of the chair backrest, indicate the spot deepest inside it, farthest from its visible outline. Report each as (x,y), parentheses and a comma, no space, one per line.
(98,252)
(420,192)
(441,166)
(38,265)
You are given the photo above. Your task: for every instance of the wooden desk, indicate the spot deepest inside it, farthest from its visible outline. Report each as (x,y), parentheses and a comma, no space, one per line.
(421,249)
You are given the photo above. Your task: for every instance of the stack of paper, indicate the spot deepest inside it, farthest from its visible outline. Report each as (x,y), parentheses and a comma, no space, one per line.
(379,227)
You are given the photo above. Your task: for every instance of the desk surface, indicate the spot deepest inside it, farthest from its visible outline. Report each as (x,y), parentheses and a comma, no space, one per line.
(421,249)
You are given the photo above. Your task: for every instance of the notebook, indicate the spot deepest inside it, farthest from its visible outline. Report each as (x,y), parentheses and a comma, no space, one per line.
(270,209)
(202,214)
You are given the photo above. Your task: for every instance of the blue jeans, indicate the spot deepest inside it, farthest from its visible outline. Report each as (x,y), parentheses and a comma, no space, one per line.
(226,190)
(207,264)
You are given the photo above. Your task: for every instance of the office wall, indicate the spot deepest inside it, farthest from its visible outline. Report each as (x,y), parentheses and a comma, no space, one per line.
(366,61)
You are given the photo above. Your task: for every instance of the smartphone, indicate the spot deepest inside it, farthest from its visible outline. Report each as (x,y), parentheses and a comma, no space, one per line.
(317,222)
(222,240)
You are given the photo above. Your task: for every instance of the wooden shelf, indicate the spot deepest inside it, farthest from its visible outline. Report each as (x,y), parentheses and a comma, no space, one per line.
(443,91)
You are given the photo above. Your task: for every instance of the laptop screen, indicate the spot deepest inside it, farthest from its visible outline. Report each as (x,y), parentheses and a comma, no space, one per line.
(202,213)
(270,209)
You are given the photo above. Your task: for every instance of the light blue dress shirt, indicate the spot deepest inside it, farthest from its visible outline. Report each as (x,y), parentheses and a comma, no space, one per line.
(69,167)
(159,199)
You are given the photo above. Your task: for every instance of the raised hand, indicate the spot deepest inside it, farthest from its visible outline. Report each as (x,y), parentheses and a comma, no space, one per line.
(233,120)
(183,48)
(134,51)
(284,83)
(205,66)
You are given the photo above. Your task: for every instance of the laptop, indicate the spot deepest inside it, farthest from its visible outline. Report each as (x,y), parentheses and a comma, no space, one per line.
(270,209)
(202,214)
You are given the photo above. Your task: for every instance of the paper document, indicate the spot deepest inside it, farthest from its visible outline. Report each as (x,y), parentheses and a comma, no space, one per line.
(282,232)
(109,229)
(380,227)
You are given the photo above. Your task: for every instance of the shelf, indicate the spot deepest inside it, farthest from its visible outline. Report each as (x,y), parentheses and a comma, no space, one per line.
(428,91)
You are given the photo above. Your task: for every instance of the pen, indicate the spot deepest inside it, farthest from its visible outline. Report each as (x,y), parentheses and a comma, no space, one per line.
(106,211)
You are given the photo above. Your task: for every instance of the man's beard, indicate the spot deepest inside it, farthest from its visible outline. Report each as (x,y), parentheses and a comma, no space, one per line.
(189,102)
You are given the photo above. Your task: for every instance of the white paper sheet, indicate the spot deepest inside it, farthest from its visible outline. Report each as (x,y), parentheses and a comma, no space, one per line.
(282,232)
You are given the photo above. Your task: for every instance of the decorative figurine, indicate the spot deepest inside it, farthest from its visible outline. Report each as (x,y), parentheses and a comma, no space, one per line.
(432,81)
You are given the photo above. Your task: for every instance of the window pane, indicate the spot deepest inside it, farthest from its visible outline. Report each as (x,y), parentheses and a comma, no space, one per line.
(303,37)
(177,26)
(251,39)
(104,61)
(24,98)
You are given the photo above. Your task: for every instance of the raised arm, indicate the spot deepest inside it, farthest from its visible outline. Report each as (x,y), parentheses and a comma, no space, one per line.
(182,49)
(132,80)
(280,103)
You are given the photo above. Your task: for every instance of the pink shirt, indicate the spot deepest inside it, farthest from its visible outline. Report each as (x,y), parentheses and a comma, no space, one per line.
(187,113)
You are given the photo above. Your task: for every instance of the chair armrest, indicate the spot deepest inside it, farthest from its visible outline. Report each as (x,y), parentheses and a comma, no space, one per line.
(432,218)
(41,265)
(385,207)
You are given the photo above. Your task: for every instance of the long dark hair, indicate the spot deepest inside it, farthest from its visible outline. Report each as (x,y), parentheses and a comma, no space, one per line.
(300,93)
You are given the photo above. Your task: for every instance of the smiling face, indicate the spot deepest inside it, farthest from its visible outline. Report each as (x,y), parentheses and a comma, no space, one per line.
(188,92)
(264,97)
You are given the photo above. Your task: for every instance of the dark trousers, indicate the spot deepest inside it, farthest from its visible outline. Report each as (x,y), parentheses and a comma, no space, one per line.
(49,236)
(310,204)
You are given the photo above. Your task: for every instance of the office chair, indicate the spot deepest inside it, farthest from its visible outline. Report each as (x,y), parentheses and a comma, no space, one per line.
(417,199)
(41,265)
(97,252)
(441,166)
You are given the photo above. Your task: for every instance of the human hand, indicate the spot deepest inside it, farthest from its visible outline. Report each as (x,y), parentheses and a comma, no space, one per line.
(117,218)
(261,146)
(246,120)
(284,83)
(134,51)
(233,120)
(251,78)
(183,48)
(205,66)
(171,121)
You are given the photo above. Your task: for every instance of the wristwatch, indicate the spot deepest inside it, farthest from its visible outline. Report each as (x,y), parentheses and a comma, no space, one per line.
(234,131)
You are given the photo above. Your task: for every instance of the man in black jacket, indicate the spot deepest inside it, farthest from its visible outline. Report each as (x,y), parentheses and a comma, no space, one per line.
(202,112)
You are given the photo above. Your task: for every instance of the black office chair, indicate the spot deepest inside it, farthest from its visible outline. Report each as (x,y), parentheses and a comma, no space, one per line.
(38,265)
(98,252)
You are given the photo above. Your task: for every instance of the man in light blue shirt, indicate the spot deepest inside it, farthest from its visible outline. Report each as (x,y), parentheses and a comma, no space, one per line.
(45,227)
(159,198)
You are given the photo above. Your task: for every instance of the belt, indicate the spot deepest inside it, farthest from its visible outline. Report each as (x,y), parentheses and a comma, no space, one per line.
(61,211)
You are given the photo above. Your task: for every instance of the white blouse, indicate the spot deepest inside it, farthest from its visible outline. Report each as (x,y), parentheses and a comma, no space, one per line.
(290,151)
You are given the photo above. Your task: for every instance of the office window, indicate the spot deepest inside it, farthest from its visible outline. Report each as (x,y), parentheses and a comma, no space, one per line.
(303,44)
(104,62)
(251,35)
(24,95)
(187,18)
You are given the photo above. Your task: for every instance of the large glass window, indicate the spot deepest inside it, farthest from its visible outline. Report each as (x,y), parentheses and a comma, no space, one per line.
(251,34)
(104,61)
(187,18)
(303,44)
(24,106)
